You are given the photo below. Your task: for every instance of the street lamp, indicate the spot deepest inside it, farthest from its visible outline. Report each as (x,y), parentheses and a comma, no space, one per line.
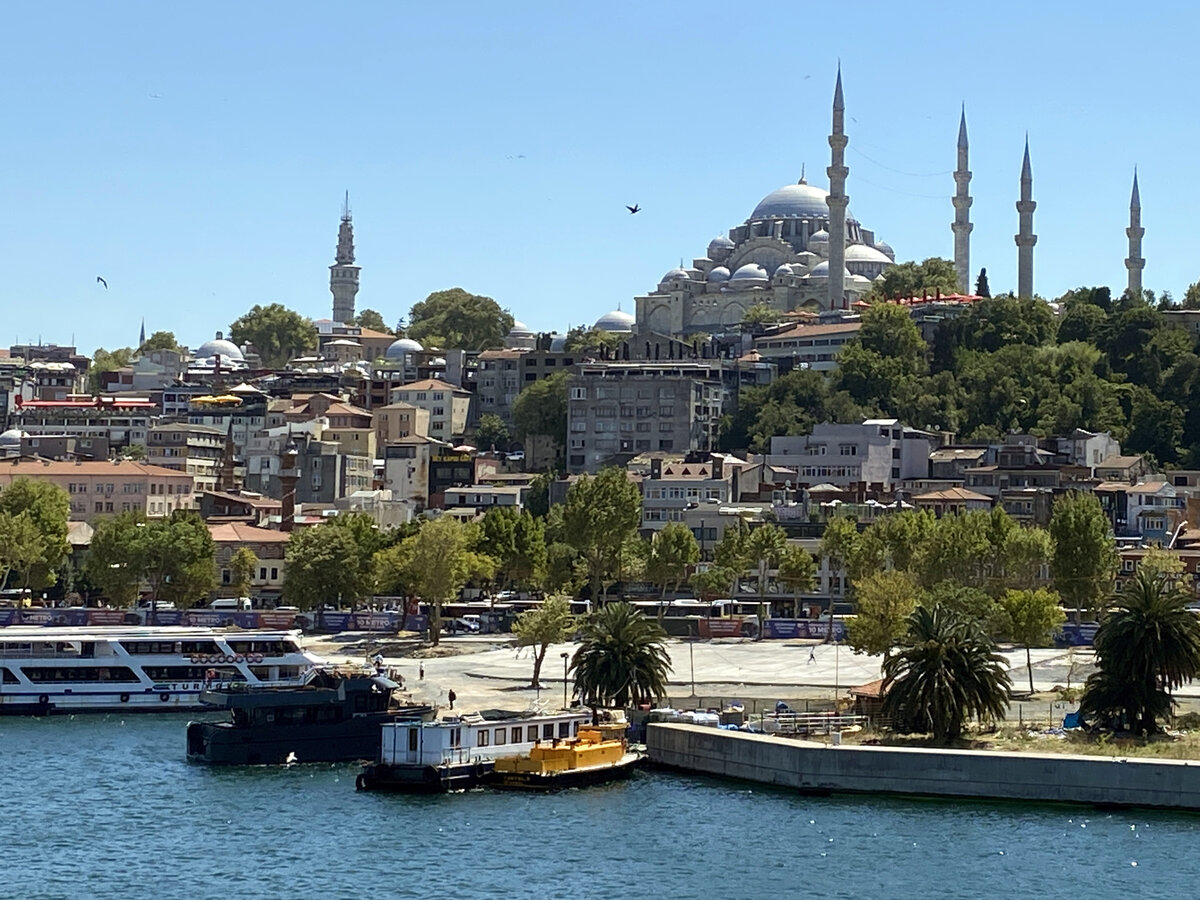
(564,659)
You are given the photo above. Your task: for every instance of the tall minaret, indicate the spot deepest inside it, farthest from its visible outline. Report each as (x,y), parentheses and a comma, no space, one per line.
(1025,237)
(837,200)
(343,274)
(1135,263)
(962,211)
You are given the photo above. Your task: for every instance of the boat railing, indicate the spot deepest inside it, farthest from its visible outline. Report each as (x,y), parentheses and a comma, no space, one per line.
(809,723)
(40,654)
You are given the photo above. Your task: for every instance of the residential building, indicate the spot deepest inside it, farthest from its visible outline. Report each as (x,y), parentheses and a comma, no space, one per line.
(673,486)
(382,505)
(951,463)
(240,416)
(269,548)
(448,406)
(482,497)
(406,465)
(98,489)
(1122,468)
(398,420)
(1020,463)
(1087,448)
(876,455)
(808,345)
(60,446)
(248,507)
(952,501)
(123,421)
(326,471)
(195,449)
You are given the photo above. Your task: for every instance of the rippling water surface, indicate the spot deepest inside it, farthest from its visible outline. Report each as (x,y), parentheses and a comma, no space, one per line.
(107,807)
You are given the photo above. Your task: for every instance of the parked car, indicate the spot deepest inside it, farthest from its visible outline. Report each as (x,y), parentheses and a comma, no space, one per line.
(460,626)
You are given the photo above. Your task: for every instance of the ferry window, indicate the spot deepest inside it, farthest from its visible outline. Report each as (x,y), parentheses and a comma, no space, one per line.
(548,731)
(564,729)
(576,729)
(483,738)
(10,678)
(455,737)
(412,740)
(531,734)
(501,736)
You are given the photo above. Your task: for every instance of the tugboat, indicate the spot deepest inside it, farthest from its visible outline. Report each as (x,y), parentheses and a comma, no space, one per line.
(335,716)
(459,752)
(597,755)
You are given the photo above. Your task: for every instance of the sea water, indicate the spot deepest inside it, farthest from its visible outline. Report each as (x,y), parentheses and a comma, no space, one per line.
(107,806)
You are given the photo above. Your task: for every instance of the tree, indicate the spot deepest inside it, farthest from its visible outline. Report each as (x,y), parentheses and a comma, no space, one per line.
(492,433)
(765,546)
(456,319)
(106,361)
(621,660)
(177,557)
(1146,647)
(367,540)
(712,583)
(276,332)
(47,507)
(913,279)
(527,565)
(22,546)
(1031,618)
(672,551)
(882,603)
(1191,297)
(758,315)
(550,623)
(242,565)
(322,567)
(442,560)
(797,572)
(599,514)
(110,564)
(592,341)
(888,353)
(1085,555)
(541,410)
(981,285)
(944,672)
(160,340)
(371,319)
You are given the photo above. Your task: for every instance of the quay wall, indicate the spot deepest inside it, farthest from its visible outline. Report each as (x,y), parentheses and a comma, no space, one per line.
(817,768)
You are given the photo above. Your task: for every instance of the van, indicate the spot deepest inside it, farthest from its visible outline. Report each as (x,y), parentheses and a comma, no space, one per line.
(239,603)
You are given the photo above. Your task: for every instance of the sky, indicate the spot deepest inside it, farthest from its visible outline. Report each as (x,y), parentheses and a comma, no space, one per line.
(195,155)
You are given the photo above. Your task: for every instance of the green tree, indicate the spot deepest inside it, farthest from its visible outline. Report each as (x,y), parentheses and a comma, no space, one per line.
(322,567)
(276,332)
(712,583)
(111,564)
(1146,647)
(885,359)
(882,603)
(106,361)
(838,547)
(913,279)
(160,340)
(981,285)
(621,660)
(442,560)
(1031,617)
(177,556)
(541,409)
(592,341)
(22,546)
(944,672)
(672,551)
(1191,297)
(758,315)
(367,541)
(537,501)
(599,514)
(371,319)
(492,433)
(550,623)
(242,565)
(765,547)
(798,573)
(47,506)
(456,319)
(527,566)
(1085,555)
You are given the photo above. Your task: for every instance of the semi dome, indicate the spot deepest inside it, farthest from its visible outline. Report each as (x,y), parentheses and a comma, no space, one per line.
(218,346)
(397,349)
(886,249)
(718,273)
(12,437)
(750,272)
(785,269)
(719,248)
(821,270)
(794,201)
(616,320)
(863,253)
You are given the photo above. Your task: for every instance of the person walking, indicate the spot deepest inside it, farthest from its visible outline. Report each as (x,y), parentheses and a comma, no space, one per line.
(421,672)
(812,654)
(451,697)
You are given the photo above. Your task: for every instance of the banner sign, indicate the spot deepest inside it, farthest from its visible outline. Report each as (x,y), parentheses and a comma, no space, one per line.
(719,628)
(802,628)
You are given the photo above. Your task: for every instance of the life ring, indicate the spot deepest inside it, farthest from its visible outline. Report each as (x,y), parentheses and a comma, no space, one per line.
(43,699)
(164,697)
(197,658)
(212,659)
(124,698)
(481,771)
(239,658)
(256,657)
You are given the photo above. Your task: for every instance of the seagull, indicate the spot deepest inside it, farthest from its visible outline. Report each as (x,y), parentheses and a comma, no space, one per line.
(633,209)
(100,280)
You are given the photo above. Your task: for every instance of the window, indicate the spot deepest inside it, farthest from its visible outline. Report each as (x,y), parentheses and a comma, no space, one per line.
(548,731)
(262,574)
(501,736)
(666,410)
(666,427)
(412,740)
(226,577)
(274,574)
(578,393)
(564,729)
(482,739)
(531,733)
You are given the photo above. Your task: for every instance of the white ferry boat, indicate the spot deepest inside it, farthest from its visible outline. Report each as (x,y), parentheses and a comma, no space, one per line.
(137,668)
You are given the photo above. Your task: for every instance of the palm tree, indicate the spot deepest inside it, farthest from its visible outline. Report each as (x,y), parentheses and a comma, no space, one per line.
(621,660)
(943,672)
(1145,648)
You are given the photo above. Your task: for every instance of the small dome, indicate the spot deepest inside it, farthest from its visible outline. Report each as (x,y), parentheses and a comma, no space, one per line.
(616,320)
(519,328)
(676,273)
(218,346)
(863,253)
(818,237)
(718,274)
(785,269)
(886,249)
(719,248)
(12,437)
(397,349)
(558,343)
(750,272)
(821,270)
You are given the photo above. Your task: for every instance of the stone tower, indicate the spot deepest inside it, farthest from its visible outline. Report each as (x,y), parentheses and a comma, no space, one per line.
(962,211)
(837,200)
(1134,232)
(343,274)
(1025,237)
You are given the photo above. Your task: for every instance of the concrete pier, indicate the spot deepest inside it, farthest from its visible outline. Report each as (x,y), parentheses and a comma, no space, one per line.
(817,768)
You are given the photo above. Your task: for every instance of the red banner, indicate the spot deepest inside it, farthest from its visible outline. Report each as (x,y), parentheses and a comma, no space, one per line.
(715,628)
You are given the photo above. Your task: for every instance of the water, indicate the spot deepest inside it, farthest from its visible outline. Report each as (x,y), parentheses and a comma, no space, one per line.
(107,807)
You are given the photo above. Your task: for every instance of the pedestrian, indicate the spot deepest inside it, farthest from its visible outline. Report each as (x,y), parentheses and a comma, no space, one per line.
(812,654)
(451,697)
(421,672)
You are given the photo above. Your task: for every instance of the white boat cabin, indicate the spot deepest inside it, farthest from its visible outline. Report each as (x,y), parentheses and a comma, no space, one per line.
(478,736)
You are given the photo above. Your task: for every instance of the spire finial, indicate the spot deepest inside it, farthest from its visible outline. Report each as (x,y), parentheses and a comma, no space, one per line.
(802,181)
(838,102)
(962,128)
(346,208)
(1135,199)
(1026,169)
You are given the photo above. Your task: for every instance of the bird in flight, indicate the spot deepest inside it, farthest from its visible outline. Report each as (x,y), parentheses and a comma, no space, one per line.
(100,280)
(633,209)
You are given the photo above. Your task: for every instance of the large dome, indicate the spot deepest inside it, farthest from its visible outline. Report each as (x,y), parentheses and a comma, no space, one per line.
(863,253)
(218,346)
(398,349)
(615,321)
(794,201)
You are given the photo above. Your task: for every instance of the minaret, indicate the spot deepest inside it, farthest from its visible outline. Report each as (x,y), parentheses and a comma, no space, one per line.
(343,274)
(1025,237)
(142,333)
(837,200)
(1134,232)
(962,211)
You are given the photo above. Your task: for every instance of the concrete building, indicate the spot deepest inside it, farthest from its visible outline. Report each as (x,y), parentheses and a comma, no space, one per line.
(325,472)
(406,468)
(876,455)
(952,501)
(383,507)
(448,406)
(808,345)
(482,497)
(673,486)
(59,447)
(195,449)
(123,421)
(398,420)
(270,550)
(98,489)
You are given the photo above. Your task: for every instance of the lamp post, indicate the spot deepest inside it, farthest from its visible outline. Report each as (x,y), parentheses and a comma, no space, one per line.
(564,659)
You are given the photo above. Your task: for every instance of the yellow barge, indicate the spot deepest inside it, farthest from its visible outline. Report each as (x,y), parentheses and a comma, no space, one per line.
(599,753)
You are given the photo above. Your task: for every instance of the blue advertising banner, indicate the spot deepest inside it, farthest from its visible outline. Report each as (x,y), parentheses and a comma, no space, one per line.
(802,628)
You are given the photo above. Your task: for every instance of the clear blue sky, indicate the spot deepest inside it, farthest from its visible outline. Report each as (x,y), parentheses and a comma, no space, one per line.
(195,155)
